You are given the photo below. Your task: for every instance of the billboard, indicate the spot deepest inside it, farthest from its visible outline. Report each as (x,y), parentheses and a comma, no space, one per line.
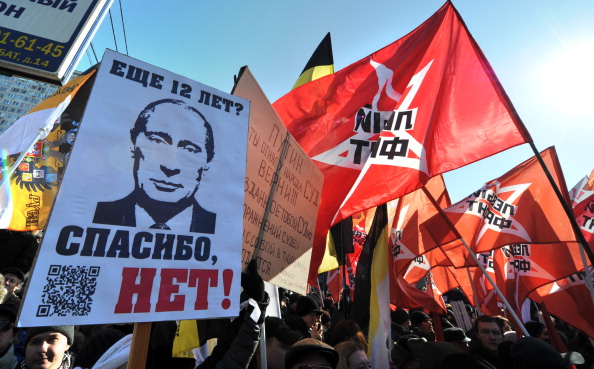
(44,39)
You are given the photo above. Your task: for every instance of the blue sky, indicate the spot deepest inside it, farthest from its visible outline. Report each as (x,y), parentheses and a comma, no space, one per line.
(541,51)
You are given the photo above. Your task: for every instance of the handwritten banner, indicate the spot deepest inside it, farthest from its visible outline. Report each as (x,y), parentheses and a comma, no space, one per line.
(281,201)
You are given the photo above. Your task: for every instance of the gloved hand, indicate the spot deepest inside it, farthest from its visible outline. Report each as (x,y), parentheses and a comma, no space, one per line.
(252,283)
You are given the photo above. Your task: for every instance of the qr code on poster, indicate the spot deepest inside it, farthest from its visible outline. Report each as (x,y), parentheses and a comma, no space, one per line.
(69,291)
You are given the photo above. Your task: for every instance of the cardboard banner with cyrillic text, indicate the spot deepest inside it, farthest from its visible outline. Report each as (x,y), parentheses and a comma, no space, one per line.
(281,201)
(147,223)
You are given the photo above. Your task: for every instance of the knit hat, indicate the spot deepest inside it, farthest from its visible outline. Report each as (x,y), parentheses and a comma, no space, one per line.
(293,298)
(417,317)
(306,305)
(14,270)
(399,315)
(66,330)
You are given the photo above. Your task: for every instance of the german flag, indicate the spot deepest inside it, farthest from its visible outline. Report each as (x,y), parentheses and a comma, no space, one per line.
(319,65)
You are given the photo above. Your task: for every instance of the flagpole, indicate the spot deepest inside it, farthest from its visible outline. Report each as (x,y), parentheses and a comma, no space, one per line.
(436,318)
(263,358)
(478,263)
(568,211)
(342,272)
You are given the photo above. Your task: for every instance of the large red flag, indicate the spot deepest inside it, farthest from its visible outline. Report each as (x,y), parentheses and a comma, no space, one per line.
(570,300)
(434,94)
(518,207)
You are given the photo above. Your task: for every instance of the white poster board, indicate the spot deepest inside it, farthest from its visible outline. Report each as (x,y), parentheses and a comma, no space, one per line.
(147,225)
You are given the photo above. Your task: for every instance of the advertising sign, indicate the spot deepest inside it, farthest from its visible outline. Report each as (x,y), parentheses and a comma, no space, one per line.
(44,39)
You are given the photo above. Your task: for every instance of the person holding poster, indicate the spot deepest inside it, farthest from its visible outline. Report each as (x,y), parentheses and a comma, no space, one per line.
(171,154)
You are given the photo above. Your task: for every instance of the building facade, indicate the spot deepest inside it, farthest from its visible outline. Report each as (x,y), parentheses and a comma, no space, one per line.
(18,96)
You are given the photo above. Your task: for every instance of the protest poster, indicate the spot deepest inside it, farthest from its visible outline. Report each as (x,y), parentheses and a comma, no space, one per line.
(147,223)
(281,200)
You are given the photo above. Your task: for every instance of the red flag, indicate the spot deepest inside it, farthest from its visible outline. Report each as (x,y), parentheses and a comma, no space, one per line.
(334,282)
(522,268)
(406,295)
(583,207)
(582,190)
(434,94)
(360,230)
(447,278)
(407,242)
(570,300)
(485,292)
(518,207)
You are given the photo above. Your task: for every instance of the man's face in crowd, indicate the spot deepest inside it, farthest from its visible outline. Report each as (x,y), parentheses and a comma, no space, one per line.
(46,350)
(172,154)
(6,332)
(11,282)
(489,334)
(311,318)
(544,335)
(427,326)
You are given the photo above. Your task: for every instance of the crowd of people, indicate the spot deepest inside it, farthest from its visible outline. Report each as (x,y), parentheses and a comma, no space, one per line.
(312,333)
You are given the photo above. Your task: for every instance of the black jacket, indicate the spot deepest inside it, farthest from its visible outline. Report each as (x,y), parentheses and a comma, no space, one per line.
(122,213)
(236,348)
